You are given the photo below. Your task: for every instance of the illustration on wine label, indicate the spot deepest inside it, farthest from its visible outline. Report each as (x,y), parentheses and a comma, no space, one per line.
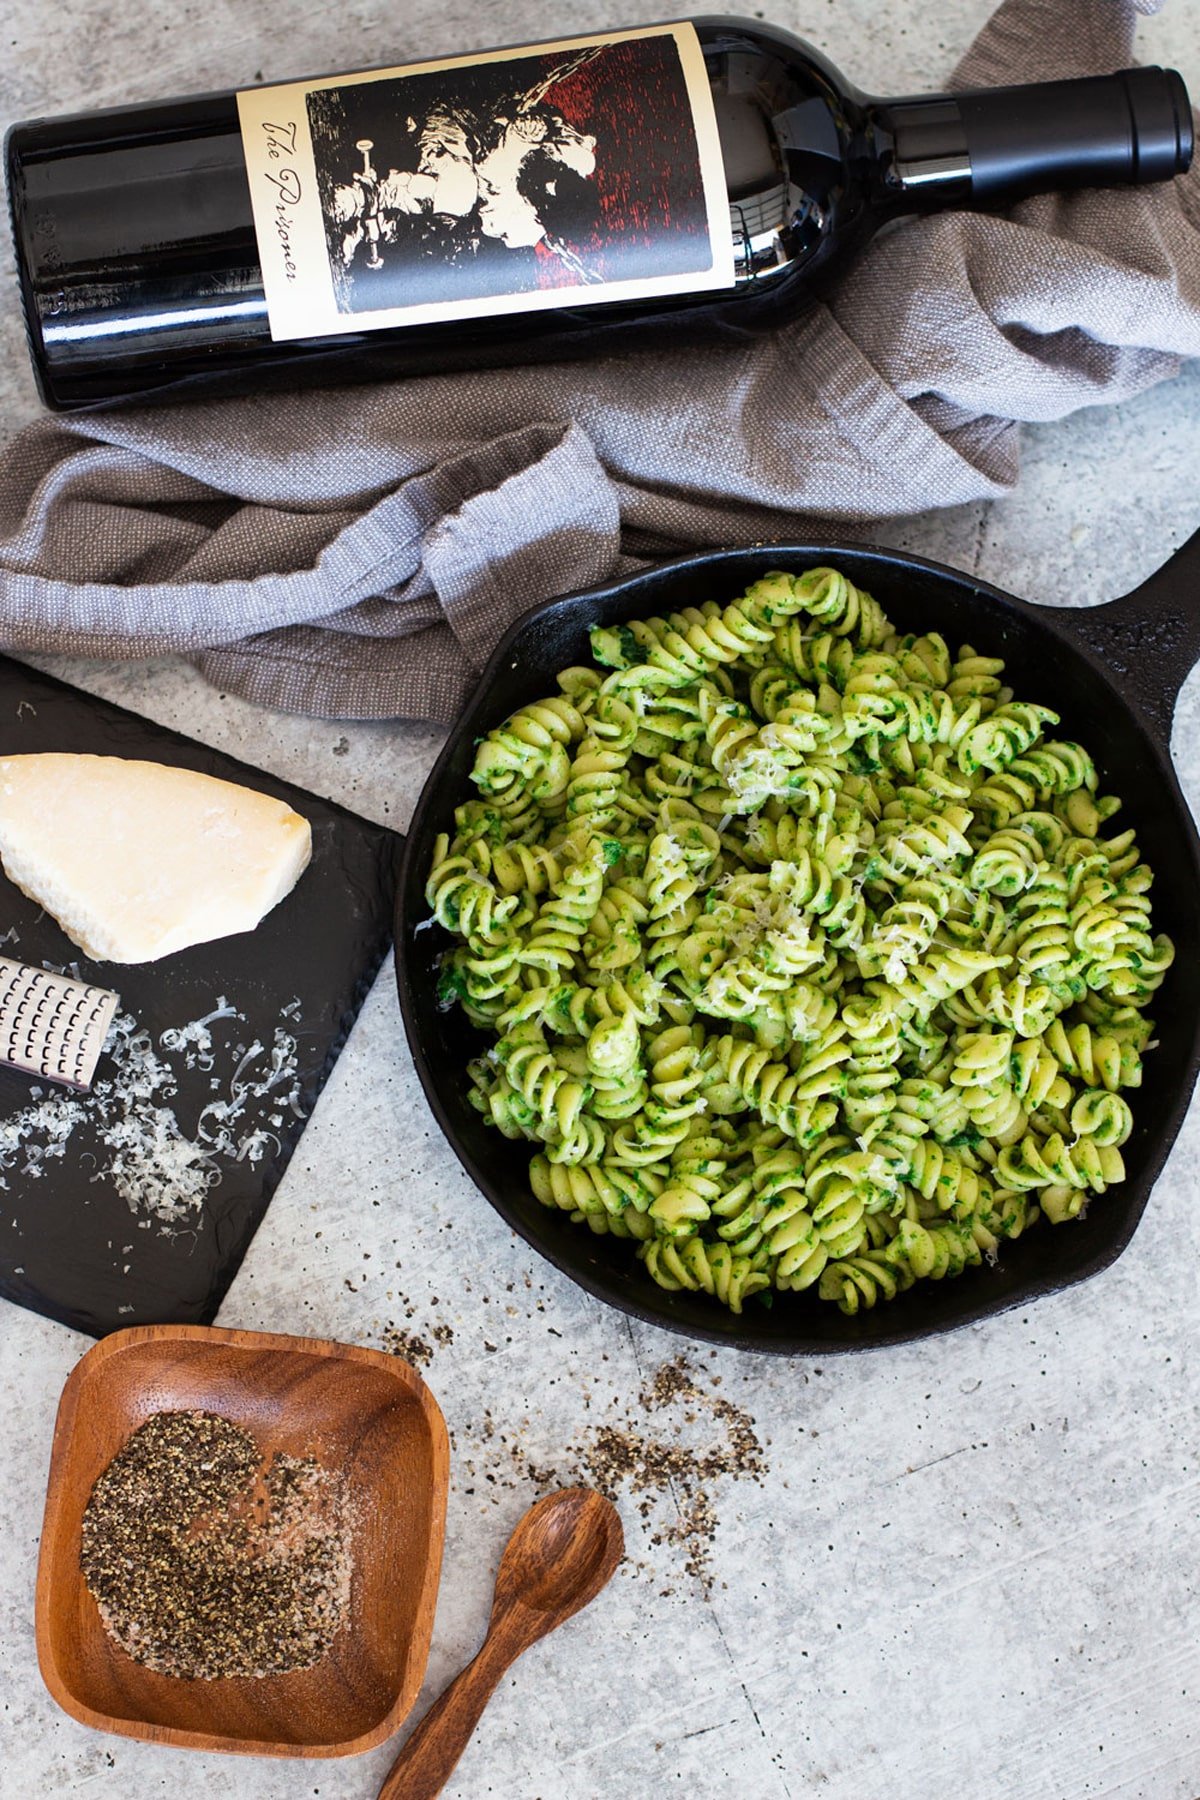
(575,172)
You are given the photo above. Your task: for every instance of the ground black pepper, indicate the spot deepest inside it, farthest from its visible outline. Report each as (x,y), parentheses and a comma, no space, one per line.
(206,1563)
(399,1340)
(619,1455)
(674,1450)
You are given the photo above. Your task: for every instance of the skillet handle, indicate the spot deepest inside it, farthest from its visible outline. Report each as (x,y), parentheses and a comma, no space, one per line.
(1149,640)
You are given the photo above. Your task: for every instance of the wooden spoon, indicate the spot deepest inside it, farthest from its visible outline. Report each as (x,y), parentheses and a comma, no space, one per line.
(558,1558)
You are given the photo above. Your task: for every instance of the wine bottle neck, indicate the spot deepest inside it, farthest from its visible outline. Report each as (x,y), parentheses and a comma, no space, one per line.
(997,144)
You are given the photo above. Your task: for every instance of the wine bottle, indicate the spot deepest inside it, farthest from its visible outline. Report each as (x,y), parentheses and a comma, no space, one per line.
(543,201)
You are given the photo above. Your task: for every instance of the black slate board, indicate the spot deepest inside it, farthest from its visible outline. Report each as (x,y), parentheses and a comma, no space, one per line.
(72,1245)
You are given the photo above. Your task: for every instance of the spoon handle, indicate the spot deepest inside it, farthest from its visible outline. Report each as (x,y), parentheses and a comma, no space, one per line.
(427,1760)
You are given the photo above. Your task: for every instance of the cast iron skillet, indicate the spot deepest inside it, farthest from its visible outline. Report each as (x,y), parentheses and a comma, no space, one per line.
(1113,672)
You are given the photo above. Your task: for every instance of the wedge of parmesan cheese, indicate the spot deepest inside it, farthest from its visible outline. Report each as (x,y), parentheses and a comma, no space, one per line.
(136,860)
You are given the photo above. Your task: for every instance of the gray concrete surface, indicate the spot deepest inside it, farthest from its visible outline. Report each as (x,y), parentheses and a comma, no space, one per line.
(968,1570)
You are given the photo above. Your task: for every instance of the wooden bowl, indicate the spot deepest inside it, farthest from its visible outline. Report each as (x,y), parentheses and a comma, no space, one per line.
(360,1411)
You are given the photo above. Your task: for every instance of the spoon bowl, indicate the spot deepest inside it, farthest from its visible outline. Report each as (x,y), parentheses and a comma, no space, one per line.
(561,1553)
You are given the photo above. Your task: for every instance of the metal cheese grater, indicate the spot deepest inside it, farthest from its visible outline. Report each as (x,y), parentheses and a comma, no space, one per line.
(50,1025)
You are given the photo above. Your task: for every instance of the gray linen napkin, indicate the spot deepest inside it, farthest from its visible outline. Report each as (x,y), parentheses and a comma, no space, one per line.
(356,553)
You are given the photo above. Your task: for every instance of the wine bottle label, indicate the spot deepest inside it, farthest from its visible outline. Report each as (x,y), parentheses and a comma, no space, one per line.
(558,175)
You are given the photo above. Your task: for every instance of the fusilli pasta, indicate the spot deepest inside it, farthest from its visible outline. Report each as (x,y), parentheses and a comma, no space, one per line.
(807,965)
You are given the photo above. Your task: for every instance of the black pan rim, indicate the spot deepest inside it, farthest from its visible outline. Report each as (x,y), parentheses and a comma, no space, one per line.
(557,1240)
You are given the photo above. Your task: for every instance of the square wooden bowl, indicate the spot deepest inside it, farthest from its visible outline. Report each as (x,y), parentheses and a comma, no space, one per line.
(358,1411)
